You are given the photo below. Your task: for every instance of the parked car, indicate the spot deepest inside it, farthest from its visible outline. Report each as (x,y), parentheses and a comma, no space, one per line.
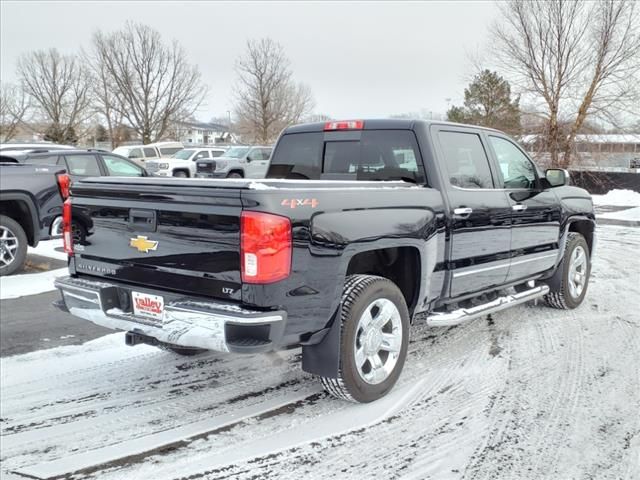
(182,163)
(84,163)
(237,162)
(10,149)
(30,200)
(151,151)
(80,164)
(360,229)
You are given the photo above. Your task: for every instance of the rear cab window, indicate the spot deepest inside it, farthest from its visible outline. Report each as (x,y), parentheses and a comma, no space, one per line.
(352,155)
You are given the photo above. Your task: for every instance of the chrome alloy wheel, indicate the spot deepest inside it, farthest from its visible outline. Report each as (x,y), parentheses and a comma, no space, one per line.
(578,269)
(8,246)
(378,341)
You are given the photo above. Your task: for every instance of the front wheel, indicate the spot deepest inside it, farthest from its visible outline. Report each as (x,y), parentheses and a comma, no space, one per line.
(180,174)
(234,175)
(374,337)
(575,272)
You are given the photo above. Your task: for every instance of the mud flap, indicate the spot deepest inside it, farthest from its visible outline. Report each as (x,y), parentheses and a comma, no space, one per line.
(555,281)
(323,358)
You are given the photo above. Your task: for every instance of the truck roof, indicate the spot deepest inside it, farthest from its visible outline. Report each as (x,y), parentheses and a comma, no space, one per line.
(380,124)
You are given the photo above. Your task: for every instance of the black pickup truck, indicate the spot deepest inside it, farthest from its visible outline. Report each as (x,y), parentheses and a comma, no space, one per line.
(359,229)
(30,201)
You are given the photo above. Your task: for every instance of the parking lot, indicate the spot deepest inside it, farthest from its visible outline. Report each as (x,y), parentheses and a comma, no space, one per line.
(529,392)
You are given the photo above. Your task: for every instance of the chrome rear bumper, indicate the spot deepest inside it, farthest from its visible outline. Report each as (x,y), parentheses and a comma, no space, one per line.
(187,322)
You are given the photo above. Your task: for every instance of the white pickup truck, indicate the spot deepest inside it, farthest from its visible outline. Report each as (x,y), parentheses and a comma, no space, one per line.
(182,163)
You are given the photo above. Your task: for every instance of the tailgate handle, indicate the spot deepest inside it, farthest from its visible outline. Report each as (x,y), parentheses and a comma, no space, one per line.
(142,220)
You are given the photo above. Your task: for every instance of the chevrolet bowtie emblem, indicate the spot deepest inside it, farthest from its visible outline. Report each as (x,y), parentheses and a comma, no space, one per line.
(143,244)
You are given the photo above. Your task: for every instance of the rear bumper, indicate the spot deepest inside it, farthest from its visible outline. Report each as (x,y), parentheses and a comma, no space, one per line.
(187,322)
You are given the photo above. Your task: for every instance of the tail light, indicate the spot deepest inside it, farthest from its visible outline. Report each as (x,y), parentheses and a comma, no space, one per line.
(344,125)
(265,247)
(67,236)
(64,182)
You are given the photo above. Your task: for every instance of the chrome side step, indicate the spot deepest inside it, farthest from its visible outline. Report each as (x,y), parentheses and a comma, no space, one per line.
(456,317)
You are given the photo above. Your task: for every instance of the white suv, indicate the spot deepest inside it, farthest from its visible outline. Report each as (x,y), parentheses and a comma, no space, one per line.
(182,163)
(144,153)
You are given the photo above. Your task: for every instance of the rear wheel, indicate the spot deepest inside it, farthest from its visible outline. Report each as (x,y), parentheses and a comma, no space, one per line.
(13,246)
(374,338)
(575,272)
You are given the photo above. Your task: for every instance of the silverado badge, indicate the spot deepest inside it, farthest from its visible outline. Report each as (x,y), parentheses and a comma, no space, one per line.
(143,244)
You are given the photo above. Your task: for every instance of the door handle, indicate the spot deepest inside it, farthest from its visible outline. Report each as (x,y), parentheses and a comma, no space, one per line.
(463,211)
(519,207)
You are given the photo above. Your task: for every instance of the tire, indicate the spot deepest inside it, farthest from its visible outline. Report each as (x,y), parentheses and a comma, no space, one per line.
(13,246)
(234,175)
(368,293)
(575,272)
(180,174)
(184,351)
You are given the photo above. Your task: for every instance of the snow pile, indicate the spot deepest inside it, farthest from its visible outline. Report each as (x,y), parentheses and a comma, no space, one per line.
(15,286)
(631,214)
(618,198)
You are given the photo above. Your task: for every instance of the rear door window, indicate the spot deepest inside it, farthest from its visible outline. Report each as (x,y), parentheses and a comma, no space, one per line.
(466,160)
(83,165)
(375,155)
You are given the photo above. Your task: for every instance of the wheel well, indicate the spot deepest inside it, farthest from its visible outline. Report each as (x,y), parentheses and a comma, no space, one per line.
(401,265)
(584,228)
(236,171)
(19,211)
(183,170)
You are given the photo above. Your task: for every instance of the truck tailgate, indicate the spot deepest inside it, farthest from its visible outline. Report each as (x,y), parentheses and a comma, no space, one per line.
(181,237)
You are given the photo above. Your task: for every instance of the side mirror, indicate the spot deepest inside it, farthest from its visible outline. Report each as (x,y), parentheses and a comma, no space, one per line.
(249,159)
(557,177)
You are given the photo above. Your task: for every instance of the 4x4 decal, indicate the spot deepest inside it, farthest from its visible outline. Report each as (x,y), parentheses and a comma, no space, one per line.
(299,202)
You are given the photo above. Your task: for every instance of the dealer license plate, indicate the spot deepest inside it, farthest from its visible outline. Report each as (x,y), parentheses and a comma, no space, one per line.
(148,306)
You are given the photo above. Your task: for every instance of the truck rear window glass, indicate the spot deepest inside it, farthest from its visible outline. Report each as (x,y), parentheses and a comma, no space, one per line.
(376,155)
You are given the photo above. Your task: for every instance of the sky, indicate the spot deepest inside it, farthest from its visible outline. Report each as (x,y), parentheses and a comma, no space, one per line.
(360,59)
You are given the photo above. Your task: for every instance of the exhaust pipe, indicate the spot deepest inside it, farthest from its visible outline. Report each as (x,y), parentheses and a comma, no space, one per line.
(456,317)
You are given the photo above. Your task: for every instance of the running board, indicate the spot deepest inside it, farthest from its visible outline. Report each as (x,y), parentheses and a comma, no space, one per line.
(456,317)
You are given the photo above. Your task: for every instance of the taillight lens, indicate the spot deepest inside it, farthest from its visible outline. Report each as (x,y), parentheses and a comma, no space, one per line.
(64,182)
(265,247)
(67,236)
(344,125)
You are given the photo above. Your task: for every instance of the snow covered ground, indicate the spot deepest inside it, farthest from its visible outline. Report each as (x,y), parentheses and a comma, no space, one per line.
(531,393)
(21,285)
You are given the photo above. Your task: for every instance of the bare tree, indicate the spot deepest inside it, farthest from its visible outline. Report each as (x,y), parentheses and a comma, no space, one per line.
(581,59)
(267,98)
(58,87)
(14,105)
(149,83)
(103,96)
